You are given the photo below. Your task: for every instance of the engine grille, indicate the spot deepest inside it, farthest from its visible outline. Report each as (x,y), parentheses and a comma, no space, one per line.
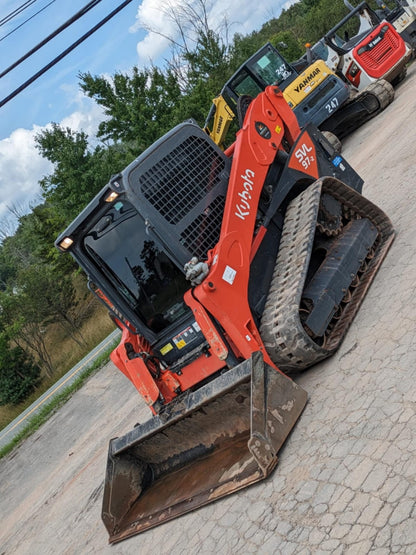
(182,178)
(381,52)
(321,93)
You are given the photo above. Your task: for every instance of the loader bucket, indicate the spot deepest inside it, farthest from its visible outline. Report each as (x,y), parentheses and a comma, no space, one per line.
(209,443)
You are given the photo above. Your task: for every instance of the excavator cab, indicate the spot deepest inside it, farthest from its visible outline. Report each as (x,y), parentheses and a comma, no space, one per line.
(312,90)
(266,67)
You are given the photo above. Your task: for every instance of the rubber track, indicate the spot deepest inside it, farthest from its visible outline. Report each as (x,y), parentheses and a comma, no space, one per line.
(285,339)
(383,91)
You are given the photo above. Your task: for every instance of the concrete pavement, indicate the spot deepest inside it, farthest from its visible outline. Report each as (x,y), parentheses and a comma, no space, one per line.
(346,480)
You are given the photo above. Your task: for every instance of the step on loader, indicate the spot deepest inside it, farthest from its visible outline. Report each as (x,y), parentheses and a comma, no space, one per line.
(225,271)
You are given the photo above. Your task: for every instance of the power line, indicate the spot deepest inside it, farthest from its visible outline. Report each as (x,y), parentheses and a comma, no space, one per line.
(64,53)
(57,31)
(26,20)
(16,12)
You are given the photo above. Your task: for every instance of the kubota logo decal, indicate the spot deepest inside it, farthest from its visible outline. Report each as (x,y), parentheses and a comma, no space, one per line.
(243,206)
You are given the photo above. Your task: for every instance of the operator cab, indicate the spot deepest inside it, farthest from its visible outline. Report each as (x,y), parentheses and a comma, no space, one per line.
(137,266)
(176,190)
(265,67)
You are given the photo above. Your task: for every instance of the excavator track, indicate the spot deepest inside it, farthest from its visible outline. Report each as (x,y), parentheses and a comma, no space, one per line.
(359,109)
(383,91)
(287,341)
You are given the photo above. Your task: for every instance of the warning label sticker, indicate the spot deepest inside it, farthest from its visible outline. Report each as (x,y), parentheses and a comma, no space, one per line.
(185,337)
(229,275)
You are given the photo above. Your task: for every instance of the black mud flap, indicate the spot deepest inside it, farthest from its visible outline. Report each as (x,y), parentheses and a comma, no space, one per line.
(210,443)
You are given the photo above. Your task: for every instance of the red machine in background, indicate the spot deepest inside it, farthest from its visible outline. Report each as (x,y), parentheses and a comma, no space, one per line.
(363,49)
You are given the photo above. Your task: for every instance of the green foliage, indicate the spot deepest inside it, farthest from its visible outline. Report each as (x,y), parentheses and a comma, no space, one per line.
(242,48)
(289,20)
(33,243)
(79,173)
(288,45)
(7,266)
(41,228)
(208,61)
(23,319)
(139,107)
(19,375)
(321,18)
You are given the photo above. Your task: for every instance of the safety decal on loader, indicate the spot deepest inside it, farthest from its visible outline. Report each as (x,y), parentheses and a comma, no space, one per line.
(184,338)
(229,275)
(337,161)
(164,350)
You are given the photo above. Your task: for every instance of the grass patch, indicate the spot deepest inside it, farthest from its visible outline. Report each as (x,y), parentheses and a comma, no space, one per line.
(65,354)
(37,420)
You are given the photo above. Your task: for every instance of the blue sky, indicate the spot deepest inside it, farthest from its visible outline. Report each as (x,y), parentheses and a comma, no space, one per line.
(55,96)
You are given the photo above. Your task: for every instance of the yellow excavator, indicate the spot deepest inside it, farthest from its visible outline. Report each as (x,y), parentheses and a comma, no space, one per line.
(314,92)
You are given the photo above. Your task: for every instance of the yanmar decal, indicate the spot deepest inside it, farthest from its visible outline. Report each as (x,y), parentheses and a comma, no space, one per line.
(303,158)
(307,80)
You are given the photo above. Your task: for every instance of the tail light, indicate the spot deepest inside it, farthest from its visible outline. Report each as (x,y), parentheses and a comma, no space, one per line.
(354,74)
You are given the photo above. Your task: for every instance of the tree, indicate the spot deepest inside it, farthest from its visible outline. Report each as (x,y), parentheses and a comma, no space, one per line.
(19,374)
(208,60)
(23,320)
(79,173)
(7,268)
(52,297)
(139,107)
(320,18)
(40,228)
(288,45)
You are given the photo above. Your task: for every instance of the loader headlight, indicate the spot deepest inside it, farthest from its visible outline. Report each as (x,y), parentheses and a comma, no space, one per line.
(66,243)
(111,197)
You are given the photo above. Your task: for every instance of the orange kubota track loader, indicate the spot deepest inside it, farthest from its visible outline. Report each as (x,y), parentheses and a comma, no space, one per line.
(223,270)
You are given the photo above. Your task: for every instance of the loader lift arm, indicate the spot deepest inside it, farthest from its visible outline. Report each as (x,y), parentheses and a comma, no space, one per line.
(268,121)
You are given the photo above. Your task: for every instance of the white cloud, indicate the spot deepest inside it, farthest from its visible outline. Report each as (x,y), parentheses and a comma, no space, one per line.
(153,14)
(22,167)
(85,120)
(241,17)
